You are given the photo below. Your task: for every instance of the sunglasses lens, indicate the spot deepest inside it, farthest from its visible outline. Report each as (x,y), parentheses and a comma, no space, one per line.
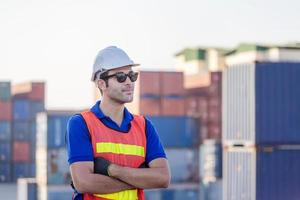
(133,76)
(121,77)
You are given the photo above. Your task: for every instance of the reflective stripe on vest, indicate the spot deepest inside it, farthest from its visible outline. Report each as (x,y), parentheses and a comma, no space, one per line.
(126,195)
(125,149)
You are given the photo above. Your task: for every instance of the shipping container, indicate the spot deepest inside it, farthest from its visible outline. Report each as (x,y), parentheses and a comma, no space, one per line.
(21,109)
(6,111)
(5,175)
(21,130)
(5,92)
(191,107)
(27,189)
(214,130)
(150,83)
(5,151)
(261,104)
(58,167)
(5,131)
(210,159)
(61,192)
(177,192)
(176,131)
(171,84)
(211,190)
(265,172)
(36,107)
(20,170)
(21,151)
(186,171)
(51,128)
(150,106)
(173,106)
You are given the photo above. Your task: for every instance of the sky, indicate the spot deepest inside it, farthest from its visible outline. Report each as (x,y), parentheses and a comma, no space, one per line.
(57,40)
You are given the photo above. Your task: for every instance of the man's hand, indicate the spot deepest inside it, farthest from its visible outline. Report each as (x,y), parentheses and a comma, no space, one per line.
(101,166)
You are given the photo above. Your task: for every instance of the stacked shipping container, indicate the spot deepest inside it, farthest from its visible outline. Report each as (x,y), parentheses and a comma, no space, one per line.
(162,101)
(28,100)
(5,132)
(51,155)
(261,127)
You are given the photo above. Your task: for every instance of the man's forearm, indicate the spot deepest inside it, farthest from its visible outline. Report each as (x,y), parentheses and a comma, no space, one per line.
(98,184)
(141,178)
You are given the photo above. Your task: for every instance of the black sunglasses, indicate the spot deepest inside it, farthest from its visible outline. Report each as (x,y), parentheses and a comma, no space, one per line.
(121,76)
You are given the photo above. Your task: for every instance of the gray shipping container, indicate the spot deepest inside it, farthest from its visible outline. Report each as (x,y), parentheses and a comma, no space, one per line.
(261,173)
(187,171)
(210,159)
(27,189)
(261,104)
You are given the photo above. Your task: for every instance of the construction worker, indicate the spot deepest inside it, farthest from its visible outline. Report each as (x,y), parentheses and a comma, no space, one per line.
(112,153)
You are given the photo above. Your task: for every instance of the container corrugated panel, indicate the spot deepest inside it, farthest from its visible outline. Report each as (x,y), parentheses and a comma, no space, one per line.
(150,106)
(214,131)
(167,83)
(5,130)
(172,106)
(262,173)
(20,170)
(176,131)
(150,83)
(21,151)
(6,110)
(21,130)
(27,189)
(261,104)
(36,107)
(186,171)
(56,129)
(211,190)
(5,92)
(180,192)
(5,152)
(58,168)
(21,109)
(211,159)
(5,174)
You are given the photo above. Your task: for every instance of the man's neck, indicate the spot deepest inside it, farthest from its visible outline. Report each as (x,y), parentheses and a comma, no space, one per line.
(113,110)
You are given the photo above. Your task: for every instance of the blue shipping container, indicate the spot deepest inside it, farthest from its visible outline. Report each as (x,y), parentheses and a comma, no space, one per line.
(5,152)
(27,189)
(5,130)
(176,131)
(20,170)
(211,190)
(21,109)
(187,171)
(176,193)
(21,130)
(262,173)
(57,126)
(36,107)
(5,92)
(211,159)
(261,104)
(5,172)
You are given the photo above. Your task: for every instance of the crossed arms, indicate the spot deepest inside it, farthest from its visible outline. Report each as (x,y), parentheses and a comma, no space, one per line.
(121,178)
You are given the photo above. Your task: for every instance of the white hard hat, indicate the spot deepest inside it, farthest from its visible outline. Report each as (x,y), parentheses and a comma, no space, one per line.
(109,58)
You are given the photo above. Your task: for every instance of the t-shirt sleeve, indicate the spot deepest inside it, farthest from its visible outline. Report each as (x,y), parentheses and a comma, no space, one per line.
(154,146)
(78,141)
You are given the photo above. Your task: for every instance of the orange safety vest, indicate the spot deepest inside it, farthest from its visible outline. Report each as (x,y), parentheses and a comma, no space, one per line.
(125,149)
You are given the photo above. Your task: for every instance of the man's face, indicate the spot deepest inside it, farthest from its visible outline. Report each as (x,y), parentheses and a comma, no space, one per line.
(120,92)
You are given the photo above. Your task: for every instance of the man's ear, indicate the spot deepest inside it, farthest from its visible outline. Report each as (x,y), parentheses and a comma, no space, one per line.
(101,84)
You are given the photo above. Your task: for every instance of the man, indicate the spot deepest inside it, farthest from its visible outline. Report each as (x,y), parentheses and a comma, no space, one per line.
(114,154)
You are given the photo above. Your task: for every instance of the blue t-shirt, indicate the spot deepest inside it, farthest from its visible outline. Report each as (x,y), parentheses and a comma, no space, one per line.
(79,144)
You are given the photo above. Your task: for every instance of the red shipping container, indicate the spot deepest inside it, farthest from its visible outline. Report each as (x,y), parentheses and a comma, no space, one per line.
(149,83)
(5,110)
(215,131)
(150,106)
(21,151)
(173,106)
(203,109)
(216,77)
(172,83)
(214,114)
(191,106)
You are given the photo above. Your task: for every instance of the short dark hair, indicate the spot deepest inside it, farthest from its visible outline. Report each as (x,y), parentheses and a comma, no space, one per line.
(101,76)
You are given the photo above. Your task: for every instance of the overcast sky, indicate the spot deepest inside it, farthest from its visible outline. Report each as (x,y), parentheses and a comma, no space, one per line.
(57,40)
